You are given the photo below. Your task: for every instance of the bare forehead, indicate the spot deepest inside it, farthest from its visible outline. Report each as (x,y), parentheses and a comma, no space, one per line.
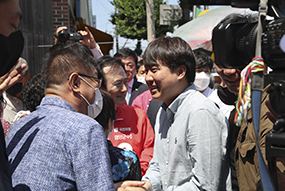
(127,59)
(154,63)
(114,72)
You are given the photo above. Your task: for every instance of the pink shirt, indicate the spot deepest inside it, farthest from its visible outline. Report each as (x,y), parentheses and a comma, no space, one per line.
(142,100)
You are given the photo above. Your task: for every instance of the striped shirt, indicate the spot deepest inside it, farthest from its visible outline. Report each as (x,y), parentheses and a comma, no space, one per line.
(56,148)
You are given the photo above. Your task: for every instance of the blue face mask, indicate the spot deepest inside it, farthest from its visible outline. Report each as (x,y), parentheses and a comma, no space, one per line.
(10,50)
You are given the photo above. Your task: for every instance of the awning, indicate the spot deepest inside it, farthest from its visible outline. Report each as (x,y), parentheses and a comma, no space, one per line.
(103,39)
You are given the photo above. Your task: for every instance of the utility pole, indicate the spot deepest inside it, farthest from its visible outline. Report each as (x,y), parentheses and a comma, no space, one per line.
(150,20)
(117,40)
(194,11)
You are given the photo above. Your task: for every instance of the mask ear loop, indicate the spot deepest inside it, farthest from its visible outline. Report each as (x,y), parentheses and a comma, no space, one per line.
(86,82)
(89,85)
(84,99)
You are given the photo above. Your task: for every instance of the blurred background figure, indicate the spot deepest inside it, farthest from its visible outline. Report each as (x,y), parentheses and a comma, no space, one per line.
(12,101)
(33,92)
(132,129)
(125,163)
(12,43)
(130,60)
(140,72)
(204,65)
(31,96)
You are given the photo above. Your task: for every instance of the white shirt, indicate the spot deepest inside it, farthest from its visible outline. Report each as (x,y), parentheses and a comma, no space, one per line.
(190,146)
(212,94)
(128,95)
(130,84)
(11,107)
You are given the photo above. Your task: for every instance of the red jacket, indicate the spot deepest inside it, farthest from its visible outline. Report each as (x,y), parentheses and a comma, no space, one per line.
(133,131)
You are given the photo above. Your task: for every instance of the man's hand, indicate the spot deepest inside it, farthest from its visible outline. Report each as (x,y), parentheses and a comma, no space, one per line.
(133,185)
(87,38)
(11,77)
(56,33)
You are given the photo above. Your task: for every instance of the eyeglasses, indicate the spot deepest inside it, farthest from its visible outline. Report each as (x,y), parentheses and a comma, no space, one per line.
(92,77)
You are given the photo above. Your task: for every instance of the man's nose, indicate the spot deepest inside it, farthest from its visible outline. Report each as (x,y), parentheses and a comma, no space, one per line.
(124,88)
(148,77)
(230,71)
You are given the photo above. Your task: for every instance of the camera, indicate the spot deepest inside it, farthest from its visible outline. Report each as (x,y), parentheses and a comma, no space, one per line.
(64,36)
(234,44)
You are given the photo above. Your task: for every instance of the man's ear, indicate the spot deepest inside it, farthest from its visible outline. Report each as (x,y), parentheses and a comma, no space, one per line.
(74,82)
(181,71)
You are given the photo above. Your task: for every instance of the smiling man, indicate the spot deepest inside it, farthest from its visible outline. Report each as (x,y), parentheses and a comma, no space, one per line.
(190,130)
(130,60)
(132,129)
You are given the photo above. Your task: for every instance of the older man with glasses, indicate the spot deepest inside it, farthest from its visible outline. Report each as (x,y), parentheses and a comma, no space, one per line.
(58,147)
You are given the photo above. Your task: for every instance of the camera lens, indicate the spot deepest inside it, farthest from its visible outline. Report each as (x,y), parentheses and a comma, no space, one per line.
(63,36)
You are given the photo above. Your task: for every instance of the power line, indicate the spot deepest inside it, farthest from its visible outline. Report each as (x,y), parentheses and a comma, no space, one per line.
(102,4)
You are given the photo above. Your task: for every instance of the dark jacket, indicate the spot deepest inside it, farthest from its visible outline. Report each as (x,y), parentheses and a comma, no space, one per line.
(137,89)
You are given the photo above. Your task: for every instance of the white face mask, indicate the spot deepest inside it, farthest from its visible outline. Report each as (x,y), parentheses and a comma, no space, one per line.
(141,79)
(95,108)
(202,81)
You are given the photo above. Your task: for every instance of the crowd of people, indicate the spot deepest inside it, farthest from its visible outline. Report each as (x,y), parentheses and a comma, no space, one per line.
(92,122)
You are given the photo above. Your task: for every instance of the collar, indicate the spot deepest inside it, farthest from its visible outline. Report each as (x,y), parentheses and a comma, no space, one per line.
(208,91)
(173,107)
(130,84)
(56,101)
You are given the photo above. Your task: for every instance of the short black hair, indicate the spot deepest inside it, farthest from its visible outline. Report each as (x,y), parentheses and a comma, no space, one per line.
(172,52)
(125,52)
(106,61)
(203,60)
(108,110)
(64,59)
(239,18)
(33,92)
(140,63)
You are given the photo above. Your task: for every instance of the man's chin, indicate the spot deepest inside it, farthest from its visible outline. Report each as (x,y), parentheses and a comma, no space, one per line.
(233,89)
(156,97)
(120,102)
(130,77)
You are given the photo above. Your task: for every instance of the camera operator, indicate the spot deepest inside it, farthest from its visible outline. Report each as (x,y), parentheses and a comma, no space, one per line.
(85,37)
(242,140)
(272,114)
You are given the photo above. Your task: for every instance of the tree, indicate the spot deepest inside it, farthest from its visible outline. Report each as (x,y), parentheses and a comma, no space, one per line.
(130,20)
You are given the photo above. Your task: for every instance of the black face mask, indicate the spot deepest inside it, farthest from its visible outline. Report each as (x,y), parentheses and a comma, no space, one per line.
(11,48)
(15,89)
(226,96)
